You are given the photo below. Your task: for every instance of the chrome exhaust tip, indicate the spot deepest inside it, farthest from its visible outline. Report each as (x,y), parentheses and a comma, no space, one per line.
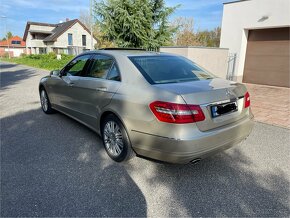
(195,161)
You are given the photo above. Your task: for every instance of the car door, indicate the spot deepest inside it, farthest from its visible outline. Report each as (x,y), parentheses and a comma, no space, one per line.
(95,88)
(61,87)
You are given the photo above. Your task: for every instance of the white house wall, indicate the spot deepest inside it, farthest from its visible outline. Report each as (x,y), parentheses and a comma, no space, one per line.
(77,31)
(36,42)
(16,51)
(240,17)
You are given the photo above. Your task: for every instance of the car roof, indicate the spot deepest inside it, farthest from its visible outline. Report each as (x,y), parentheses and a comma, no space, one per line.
(125,52)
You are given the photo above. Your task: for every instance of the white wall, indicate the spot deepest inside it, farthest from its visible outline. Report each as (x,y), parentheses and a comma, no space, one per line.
(36,42)
(16,51)
(77,31)
(212,59)
(242,16)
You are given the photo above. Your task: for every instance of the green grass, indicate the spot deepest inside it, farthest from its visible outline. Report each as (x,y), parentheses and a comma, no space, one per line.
(43,61)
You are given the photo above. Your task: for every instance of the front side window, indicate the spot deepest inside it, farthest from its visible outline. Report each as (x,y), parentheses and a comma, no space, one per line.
(76,67)
(84,40)
(169,69)
(100,67)
(70,39)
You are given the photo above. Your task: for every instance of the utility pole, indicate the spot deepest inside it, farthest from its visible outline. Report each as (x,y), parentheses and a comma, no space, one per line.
(91,24)
(4,17)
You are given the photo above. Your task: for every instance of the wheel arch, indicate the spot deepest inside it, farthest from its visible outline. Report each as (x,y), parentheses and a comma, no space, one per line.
(105,114)
(40,87)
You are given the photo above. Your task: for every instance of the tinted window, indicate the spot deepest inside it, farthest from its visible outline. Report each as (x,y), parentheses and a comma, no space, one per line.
(75,68)
(100,67)
(169,69)
(114,73)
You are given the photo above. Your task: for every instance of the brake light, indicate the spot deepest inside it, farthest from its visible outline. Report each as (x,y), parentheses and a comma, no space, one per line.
(176,113)
(247,100)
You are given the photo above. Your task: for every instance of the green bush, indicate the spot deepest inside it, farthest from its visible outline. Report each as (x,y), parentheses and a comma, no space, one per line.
(43,61)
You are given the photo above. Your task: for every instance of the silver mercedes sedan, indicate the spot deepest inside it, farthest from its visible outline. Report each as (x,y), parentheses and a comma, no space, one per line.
(155,105)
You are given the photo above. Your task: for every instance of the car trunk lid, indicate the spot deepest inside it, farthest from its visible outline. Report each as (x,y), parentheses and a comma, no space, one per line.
(215,94)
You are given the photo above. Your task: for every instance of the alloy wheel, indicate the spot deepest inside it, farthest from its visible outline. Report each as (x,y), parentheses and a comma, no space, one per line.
(44,100)
(113,138)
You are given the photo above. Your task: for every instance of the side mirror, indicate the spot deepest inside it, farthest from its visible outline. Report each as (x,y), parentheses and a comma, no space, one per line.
(54,73)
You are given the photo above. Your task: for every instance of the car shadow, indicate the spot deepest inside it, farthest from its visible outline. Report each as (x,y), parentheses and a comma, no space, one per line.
(54,166)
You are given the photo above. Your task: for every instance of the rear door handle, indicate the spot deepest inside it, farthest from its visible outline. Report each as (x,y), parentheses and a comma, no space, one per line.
(101,89)
(70,83)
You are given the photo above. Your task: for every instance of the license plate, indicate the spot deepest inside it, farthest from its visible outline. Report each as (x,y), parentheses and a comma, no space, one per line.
(221,109)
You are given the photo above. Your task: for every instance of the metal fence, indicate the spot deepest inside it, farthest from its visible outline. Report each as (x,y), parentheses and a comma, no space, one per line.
(231,66)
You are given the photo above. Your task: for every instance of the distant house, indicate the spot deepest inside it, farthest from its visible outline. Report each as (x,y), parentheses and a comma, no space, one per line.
(70,37)
(16,47)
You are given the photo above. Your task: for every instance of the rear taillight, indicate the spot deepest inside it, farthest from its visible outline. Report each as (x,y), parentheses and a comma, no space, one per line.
(247,100)
(176,113)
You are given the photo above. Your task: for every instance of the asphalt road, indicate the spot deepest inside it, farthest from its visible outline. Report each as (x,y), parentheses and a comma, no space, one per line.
(53,166)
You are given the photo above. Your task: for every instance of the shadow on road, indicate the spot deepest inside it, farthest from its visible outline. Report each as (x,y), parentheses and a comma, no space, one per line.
(54,166)
(12,77)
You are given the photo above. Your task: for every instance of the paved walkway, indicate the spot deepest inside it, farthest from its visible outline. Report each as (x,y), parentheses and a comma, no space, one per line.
(270,104)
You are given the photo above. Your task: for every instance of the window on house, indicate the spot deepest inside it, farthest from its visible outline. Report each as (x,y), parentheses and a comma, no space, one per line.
(42,51)
(15,42)
(84,40)
(70,39)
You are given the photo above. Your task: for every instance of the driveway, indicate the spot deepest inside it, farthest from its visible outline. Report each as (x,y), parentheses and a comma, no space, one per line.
(53,166)
(270,104)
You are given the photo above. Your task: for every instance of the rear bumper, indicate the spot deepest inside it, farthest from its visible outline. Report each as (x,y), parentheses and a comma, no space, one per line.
(198,145)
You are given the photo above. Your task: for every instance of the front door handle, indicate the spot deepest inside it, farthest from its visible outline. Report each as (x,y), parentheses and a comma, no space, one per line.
(70,83)
(101,89)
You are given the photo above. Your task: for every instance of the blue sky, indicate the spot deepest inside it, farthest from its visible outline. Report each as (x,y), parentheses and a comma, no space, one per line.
(207,14)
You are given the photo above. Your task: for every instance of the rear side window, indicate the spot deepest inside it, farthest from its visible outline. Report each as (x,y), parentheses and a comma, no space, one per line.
(169,69)
(114,73)
(101,66)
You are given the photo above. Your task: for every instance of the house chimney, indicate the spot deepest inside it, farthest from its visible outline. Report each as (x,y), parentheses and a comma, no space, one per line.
(66,19)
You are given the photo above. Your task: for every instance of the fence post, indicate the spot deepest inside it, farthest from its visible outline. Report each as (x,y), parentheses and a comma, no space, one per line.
(231,66)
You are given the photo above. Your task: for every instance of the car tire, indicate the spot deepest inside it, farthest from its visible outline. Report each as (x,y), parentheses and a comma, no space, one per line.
(115,139)
(45,103)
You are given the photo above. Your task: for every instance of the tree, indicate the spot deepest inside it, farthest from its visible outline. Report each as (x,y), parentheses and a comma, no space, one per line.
(7,35)
(185,35)
(97,33)
(209,38)
(135,23)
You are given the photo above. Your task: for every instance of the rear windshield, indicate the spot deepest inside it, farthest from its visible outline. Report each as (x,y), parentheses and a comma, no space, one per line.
(169,69)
